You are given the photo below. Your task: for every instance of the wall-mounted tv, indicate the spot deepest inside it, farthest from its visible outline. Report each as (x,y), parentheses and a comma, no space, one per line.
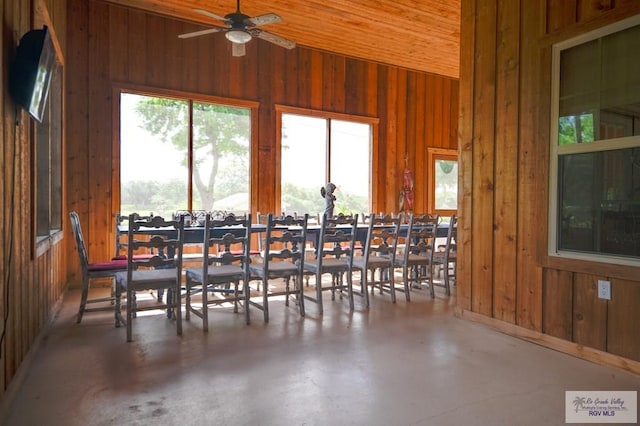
(31,71)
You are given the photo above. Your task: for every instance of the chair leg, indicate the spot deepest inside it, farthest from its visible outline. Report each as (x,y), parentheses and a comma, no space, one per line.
(83,299)
(118,302)
(178,308)
(247,300)
(319,292)
(300,294)
(265,297)
(205,306)
(407,290)
(364,287)
(350,290)
(447,288)
(287,290)
(187,299)
(130,307)
(431,286)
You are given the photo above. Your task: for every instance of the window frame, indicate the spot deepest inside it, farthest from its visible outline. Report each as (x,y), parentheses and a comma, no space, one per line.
(434,154)
(373,153)
(47,148)
(189,97)
(556,150)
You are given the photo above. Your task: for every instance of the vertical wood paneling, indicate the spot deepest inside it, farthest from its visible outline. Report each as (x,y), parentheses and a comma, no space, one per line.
(558,304)
(510,87)
(560,14)
(532,153)
(328,83)
(136,59)
(118,42)
(304,82)
(506,161)
(623,323)
(77,164)
(29,283)
(396,151)
(372,90)
(315,78)
(588,10)
(483,159)
(100,150)
(465,152)
(589,312)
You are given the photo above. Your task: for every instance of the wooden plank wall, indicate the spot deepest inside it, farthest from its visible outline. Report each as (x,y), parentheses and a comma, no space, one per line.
(116,45)
(504,271)
(32,281)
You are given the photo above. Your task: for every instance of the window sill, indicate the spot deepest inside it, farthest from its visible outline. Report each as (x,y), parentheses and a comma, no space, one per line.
(44,243)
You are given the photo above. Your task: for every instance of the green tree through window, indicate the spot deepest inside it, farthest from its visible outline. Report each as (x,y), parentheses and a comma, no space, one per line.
(217,142)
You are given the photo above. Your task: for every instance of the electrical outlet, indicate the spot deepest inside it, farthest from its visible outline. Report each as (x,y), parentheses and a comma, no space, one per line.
(604,289)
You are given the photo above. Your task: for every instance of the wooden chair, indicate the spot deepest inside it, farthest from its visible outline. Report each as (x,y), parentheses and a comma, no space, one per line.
(230,265)
(334,256)
(106,269)
(379,256)
(448,257)
(121,243)
(283,257)
(417,261)
(163,271)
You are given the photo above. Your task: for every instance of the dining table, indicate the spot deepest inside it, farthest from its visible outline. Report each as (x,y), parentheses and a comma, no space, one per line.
(194,234)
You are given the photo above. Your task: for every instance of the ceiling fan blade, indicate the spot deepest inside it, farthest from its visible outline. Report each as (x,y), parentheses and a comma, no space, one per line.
(238,49)
(199,33)
(280,41)
(213,15)
(268,18)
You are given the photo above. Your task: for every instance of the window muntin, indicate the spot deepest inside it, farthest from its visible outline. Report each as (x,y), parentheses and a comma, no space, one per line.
(178,154)
(318,149)
(595,153)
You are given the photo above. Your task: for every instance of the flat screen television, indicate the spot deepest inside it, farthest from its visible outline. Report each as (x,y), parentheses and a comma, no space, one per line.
(31,71)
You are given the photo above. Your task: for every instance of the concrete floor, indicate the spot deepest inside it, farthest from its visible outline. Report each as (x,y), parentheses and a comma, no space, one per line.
(394,364)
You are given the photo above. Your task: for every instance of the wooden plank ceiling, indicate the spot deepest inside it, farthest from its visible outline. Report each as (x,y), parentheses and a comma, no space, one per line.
(422,35)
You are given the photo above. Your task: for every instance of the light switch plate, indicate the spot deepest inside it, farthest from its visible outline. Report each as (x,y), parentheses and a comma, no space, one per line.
(604,289)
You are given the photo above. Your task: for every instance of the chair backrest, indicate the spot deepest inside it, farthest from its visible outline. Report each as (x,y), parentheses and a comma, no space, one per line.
(163,238)
(382,236)
(285,240)
(452,235)
(337,238)
(80,245)
(121,243)
(421,235)
(231,237)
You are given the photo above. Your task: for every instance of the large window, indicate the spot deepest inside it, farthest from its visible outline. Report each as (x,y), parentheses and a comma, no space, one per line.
(595,152)
(318,147)
(180,153)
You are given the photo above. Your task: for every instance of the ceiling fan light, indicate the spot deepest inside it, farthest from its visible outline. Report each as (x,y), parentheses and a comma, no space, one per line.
(238,36)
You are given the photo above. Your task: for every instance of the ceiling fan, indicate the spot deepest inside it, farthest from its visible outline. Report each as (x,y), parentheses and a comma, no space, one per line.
(240,29)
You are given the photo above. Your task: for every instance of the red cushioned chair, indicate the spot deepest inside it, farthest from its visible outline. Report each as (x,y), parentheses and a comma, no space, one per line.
(106,269)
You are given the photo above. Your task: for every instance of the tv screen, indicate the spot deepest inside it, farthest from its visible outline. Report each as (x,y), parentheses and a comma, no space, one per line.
(31,71)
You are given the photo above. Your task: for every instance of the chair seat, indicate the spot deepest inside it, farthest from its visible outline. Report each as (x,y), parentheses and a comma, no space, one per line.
(328,265)
(222,273)
(413,259)
(107,266)
(375,262)
(276,269)
(148,278)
